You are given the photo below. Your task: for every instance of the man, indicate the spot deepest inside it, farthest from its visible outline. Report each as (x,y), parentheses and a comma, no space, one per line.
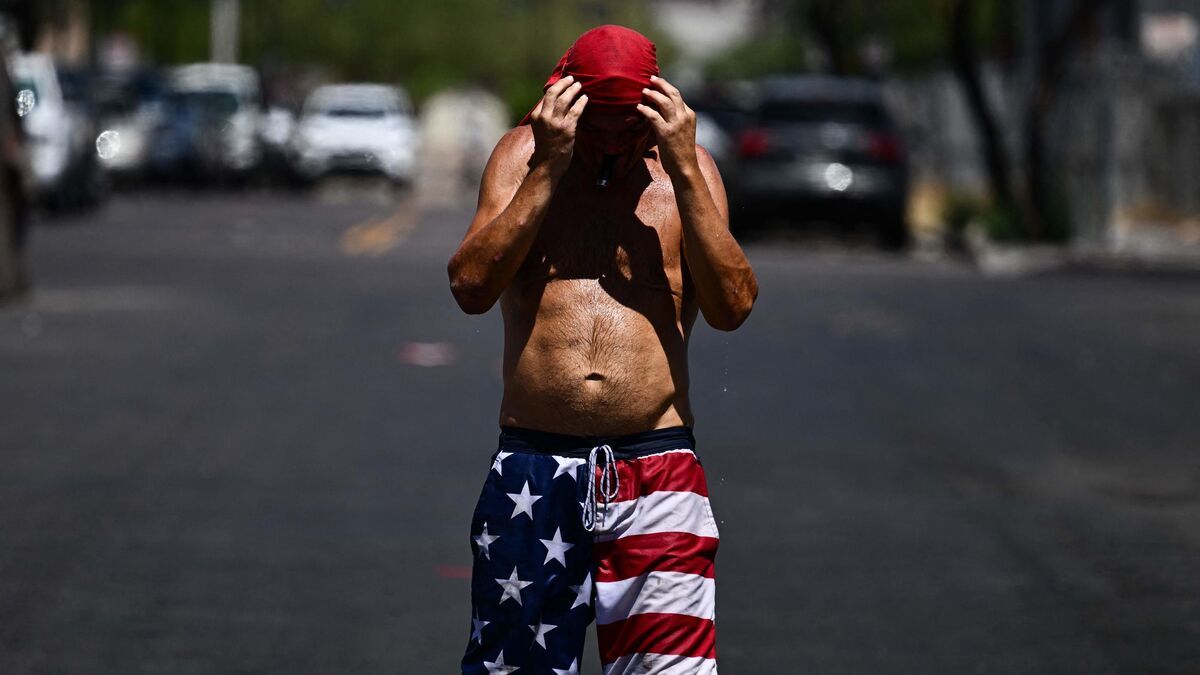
(602,229)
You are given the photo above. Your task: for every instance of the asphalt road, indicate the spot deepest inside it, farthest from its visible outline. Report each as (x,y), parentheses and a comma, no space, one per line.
(244,434)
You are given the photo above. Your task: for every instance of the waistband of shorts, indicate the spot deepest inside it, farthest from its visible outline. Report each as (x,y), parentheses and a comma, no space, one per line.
(520,439)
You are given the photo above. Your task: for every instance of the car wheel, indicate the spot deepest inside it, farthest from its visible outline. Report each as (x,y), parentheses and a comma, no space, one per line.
(14,230)
(893,232)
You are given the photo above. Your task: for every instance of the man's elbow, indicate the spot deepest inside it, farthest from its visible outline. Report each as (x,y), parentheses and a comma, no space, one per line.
(737,311)
(468,292)
(471,302)
(732,319)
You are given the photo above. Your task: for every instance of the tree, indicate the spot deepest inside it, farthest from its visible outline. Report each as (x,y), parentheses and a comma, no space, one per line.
(1053,57)
(964,58)
(1035,206)
(513,44)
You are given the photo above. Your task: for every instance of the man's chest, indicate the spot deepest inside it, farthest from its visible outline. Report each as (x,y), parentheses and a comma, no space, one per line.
(593,234)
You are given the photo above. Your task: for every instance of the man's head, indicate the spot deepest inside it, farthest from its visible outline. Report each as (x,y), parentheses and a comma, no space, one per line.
(613,64)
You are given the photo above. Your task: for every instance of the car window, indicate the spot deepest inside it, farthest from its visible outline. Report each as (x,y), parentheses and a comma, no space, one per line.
(799,111)
(214,103)
(361,112)
(74,87)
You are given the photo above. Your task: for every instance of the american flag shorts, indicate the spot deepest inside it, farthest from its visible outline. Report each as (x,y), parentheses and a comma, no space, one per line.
(569,529)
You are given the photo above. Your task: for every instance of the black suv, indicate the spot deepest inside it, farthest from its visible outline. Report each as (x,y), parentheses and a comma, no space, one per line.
(822,148)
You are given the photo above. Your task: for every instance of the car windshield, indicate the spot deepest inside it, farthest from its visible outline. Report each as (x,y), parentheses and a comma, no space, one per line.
(22,84)
(124,97)
(74,86)
(799,111)
(357,112)
(208,103)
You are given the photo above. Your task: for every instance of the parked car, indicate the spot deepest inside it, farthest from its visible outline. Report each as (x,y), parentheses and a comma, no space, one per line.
(61,138)
(276,128)
(823,148)
(15,184)
(88,175)
(209,125)
(356,127)
(711,137)
(131,106)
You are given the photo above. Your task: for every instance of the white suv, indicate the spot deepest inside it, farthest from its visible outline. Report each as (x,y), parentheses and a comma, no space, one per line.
(57,135)
(356,127)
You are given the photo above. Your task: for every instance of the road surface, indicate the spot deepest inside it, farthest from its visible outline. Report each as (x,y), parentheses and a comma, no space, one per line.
(243,433)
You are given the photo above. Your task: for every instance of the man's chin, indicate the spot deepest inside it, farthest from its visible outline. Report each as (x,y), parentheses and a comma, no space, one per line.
(594,155)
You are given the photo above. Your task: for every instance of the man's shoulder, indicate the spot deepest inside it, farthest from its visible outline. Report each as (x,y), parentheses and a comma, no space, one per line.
(510,158)
(705,159)
(515,142)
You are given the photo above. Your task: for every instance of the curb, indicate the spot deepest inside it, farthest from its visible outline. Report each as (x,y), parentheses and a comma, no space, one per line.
(996,259)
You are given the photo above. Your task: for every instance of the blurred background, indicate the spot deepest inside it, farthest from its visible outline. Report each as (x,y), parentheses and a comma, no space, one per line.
(243,424)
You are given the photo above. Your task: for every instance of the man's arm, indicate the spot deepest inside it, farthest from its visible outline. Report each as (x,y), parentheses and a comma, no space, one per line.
(726,287)
(513,197)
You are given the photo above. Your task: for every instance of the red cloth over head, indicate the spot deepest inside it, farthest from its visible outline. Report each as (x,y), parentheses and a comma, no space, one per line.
(613,64)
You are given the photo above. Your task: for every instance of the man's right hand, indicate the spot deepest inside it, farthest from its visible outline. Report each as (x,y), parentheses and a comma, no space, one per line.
(553,122)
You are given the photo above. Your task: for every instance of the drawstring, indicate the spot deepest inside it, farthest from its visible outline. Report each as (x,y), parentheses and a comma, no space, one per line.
(610,485)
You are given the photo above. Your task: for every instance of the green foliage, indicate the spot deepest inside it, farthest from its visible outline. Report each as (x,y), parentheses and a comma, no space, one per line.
(1002,222)
(778,51)
(172,31)
(915,30)
(509,45)
(1057,219)
(1005,222)
(961,210)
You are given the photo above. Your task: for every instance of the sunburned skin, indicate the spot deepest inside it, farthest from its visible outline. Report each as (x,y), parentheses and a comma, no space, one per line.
(600,286)
(597,318)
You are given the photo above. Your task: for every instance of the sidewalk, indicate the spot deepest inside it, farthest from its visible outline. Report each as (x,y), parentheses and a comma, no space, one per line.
(1174,249)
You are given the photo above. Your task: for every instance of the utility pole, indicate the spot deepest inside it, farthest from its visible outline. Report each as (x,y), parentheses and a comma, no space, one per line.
(224,30)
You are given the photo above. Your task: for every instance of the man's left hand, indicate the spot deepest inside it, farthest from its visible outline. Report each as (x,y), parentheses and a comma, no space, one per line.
(674,124)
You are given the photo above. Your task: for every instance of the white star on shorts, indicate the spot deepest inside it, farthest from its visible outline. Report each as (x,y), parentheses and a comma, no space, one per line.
(540,631)
(498,667)
(556,549)
(498,463)
(572,669)
(484,540)
(566,467)
(477,628)
(524,501)
(512,587)
(583,592)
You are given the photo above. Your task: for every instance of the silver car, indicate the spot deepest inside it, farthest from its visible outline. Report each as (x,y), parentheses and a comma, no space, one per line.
(223,99)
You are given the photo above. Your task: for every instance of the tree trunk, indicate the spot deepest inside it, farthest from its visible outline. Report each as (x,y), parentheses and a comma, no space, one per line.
(965,60)
(824,20)
(1053,59)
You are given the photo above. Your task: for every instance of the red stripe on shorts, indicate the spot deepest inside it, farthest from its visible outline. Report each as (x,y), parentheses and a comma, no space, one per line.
(638,554)
(667,472)
(677,634)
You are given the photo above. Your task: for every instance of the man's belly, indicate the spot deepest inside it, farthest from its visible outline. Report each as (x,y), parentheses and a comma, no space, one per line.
(591,366)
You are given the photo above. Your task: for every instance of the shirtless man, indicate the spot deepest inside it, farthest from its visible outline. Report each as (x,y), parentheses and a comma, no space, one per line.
(602,229)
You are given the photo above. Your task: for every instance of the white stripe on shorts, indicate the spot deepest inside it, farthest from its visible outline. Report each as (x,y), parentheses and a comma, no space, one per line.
(656,593)
(661,664)
(657,512)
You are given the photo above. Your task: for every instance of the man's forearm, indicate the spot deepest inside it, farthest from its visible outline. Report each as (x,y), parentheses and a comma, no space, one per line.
(487,261)
(725,283)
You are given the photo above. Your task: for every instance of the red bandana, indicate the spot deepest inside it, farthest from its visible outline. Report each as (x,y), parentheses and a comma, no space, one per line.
(614,64)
